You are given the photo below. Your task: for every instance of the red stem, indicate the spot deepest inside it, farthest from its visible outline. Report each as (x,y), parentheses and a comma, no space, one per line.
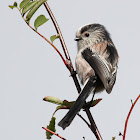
(50,44)
(124,134)
(54,133)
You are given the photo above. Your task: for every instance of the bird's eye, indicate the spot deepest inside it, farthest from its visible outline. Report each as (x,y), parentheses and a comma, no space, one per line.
(86,34)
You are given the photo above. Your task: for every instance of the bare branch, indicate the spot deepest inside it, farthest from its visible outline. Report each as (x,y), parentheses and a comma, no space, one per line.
(45,39)
(54,133)
(84,120)
(58,30)
(129,116)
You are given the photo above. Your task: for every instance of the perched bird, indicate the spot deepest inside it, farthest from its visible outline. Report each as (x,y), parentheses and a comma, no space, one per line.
(96,65)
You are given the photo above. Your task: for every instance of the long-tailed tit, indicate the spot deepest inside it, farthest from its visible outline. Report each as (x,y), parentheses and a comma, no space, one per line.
(96,65)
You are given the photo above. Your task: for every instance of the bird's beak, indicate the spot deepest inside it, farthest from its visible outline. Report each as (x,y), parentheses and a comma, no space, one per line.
(77,38)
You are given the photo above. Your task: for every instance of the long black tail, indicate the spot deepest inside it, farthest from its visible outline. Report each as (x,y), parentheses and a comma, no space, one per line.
(66,121)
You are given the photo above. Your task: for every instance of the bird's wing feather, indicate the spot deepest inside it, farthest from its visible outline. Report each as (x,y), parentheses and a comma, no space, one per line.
(101,68)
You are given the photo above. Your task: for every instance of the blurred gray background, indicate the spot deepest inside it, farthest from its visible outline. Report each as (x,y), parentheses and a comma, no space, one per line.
(30,69)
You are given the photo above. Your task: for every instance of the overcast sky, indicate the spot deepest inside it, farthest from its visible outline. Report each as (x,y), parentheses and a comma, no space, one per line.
(30,69)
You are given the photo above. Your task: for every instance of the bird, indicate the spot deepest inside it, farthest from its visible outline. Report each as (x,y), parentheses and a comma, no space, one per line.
(96,65)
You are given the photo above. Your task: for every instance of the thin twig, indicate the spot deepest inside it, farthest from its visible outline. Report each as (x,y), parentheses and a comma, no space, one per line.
(46,40)
(84,120)
(124,134)
(50,44)
(54,133)
(93,127)
(58,30)
(95,130)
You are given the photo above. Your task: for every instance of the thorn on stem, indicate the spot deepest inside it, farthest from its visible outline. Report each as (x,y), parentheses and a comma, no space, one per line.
(120,134)
(131,101)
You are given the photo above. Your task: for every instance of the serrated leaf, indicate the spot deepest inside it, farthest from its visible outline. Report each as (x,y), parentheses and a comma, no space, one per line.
(34,9)
(28,7)
(51,127)
(40,20)
(52,38)
(23,3)
(13,6)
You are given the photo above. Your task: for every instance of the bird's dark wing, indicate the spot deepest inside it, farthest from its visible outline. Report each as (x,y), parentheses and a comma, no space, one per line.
(66,121)
(102,67)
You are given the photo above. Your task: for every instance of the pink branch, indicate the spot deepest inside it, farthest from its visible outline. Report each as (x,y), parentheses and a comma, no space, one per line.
(129,116)
(54,133)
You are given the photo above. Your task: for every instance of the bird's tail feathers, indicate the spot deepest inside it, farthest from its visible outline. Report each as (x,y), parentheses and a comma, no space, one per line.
(88,88)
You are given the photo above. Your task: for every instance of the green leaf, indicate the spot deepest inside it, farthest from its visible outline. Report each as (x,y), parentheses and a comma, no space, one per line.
(13,6)
(28,7)
(113,138)
(51,127)
(94,102)
(52,38)
(40,21)
(34,9)
(23,3)
(57,101)
(53,100)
